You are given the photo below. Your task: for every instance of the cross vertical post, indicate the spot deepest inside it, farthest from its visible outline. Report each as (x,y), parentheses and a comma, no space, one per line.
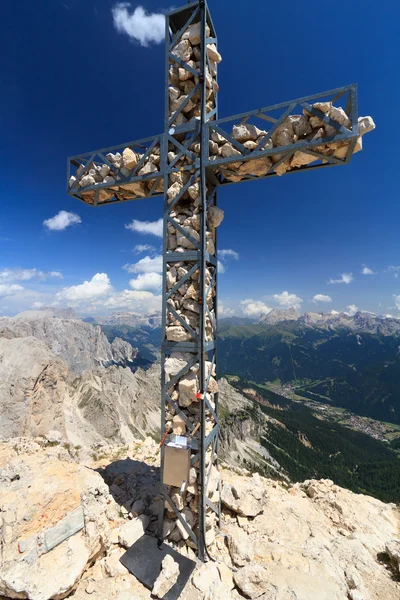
(189,354)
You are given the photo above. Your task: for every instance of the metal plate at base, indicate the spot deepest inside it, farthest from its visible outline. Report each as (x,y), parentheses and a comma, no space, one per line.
(144,559)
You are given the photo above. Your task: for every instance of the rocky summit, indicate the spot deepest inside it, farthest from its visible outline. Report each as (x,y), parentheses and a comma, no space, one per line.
(67,519)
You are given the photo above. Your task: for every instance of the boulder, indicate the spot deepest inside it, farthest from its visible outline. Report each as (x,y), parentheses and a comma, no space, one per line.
(213,53)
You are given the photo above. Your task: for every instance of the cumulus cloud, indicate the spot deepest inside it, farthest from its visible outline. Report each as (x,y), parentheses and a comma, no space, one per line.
(151,282)
(352,309)
(228,253)
(37,305)
(62,220)
(98,287)
(146,227)
(147,264)
(139,248)
(9,290)
(221,267)
(145,28)
(254,308)
(138,301)
(285,299)
(321,298)
(367,271)
(393,269)
(8,275)
(225,311)
(344,278)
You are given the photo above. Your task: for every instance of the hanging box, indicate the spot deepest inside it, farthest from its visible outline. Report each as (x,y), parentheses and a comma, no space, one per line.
(176,464)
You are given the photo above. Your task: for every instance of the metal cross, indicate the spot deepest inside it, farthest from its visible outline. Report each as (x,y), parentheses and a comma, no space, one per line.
(197,154)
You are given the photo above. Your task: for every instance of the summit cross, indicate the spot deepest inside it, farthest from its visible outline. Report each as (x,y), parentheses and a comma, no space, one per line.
(195,156)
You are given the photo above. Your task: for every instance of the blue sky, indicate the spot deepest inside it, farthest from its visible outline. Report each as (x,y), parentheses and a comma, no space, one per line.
(71,83)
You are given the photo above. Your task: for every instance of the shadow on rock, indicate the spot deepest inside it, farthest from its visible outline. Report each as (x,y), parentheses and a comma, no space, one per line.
(135,486)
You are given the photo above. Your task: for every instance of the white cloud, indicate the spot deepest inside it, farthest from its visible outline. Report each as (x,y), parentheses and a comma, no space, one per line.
(139,248)
(367,271)
(147,264)
(62,220)
(221,267)
(139,301)
(9,290)
(286,299)
(151,282)
(344,278)
(37,305)
(335,312)
(321,298)
(225,311)
(146,227)
(397,300)
(224,254)
(8,275)
(352,308)
(395,270)
(254,308)
(146,28)
(387,316)
(97,287)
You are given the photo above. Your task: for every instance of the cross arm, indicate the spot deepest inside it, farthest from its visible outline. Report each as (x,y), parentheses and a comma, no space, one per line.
(126,172)
(316,131)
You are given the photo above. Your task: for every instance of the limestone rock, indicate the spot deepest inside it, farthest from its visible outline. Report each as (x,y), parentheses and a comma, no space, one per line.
(213,53)
(87,180)
(256,166)
(188,388)
(240,498)
(167,578)
(365,124)
(206,577)
(131,531)
(177,333)
(129,158)
(252,580)
(215,216)
(246,132)
(240,547)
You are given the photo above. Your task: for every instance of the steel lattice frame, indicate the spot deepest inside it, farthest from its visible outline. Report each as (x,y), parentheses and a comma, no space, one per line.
(211,172)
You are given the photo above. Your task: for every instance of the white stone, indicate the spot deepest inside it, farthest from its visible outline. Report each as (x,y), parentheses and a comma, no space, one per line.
(365,124)
(215,216)
(148,168)
(188,388)
(246,132)
(87,180)
(71,181)
(228,150)
(177,333)
(183,50)
(252,580)
(213,53)
(131,531)
(129,158)
(240,547)
(167,578)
